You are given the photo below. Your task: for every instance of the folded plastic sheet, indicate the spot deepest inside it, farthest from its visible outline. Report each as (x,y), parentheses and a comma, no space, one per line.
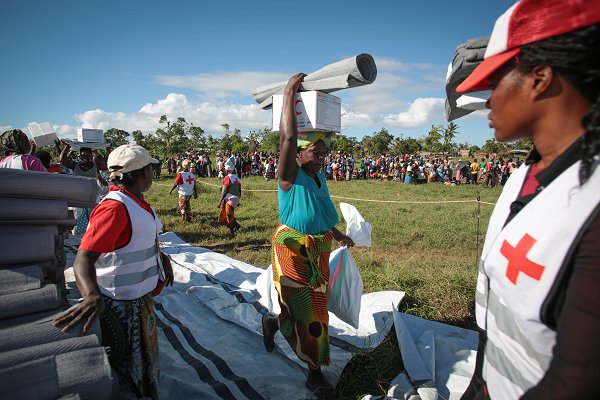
(439,359)
(29,301)
(466,57)
(348,73)
(86,372)
(77,191)
(19,356)
(20,209)
(27,244)
(19,279)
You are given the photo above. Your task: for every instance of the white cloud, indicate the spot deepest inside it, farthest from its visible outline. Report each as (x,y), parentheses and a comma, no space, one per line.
(209,116)
(422,111)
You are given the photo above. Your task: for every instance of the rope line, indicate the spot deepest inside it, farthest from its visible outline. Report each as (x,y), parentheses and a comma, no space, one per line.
(358,199)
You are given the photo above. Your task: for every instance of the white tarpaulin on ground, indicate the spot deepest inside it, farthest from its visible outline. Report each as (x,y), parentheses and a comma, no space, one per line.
(439,360)
(211,343)
(210,337)
(352,72)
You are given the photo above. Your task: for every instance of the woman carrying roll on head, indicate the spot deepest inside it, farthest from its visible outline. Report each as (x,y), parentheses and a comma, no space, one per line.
(537,303)
(117,271)
(302,244)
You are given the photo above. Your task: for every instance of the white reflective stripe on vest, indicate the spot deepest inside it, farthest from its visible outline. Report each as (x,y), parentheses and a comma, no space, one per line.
(131,271)
(520,263)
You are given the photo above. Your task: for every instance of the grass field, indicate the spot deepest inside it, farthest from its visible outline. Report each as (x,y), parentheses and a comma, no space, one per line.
(424,242)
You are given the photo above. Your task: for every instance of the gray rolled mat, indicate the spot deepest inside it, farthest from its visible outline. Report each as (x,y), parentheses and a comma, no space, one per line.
(27,244)
(78,191)
(19,279)
(62,224)
(33,334)
(30,301)
(34,380)
(19,209)
(85,372)
(38,318)
(466,57)
(96,382)
(19,356)
(72,396)
(352,72)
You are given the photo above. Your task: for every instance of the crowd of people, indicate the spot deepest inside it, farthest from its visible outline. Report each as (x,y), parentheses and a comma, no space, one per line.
(337,166)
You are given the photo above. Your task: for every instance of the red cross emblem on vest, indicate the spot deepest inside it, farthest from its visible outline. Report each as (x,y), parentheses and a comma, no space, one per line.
(190,179)
(518,261)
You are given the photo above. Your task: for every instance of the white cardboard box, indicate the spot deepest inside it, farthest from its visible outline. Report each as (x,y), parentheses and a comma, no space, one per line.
(90,135)
(314,111)
(43,134)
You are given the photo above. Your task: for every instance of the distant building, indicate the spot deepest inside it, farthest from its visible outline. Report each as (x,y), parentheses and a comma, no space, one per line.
(464,153)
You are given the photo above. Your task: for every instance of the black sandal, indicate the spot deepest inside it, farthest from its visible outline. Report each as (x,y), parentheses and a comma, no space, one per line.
(269,342)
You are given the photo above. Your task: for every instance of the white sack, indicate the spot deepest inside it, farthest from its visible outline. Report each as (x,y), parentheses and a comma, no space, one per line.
(345,287)
(356,227)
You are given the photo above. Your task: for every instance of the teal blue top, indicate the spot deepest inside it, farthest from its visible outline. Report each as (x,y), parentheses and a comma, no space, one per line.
(307,207)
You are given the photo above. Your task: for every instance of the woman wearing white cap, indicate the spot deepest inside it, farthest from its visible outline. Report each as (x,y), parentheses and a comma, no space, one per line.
(537,303)
(117,269)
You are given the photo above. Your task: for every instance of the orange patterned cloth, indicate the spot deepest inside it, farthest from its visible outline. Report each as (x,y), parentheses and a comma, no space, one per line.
(301,273)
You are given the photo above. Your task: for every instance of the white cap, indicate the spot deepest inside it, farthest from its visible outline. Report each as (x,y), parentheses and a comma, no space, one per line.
(127,158)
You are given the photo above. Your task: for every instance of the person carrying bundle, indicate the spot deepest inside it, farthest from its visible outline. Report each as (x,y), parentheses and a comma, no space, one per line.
(302,244)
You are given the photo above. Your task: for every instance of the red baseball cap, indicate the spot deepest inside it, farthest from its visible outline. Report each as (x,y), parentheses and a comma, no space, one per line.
(526,22)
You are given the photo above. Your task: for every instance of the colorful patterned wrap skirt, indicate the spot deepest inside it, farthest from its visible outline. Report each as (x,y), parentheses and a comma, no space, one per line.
(227,215)
(129,331)
(301,273)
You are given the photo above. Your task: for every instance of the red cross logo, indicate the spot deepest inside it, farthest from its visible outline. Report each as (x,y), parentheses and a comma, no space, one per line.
(518,261)
(190,179)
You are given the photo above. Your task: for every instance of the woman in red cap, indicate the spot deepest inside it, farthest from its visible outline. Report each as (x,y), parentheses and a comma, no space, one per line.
(537,303)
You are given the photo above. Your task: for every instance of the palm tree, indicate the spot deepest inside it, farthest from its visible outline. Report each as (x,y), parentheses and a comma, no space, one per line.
(449,133)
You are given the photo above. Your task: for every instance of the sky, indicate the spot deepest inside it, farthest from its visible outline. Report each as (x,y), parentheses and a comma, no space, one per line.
(124,63)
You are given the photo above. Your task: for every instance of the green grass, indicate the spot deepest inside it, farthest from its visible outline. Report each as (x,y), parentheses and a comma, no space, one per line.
(428,250)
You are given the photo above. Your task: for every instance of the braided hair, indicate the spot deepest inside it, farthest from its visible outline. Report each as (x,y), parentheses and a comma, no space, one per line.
(576,56)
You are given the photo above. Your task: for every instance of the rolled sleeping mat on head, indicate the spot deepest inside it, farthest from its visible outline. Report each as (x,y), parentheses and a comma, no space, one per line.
(352,72)
(77,191)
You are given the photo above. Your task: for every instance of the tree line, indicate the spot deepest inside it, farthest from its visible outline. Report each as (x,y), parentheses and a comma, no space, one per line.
(178,136)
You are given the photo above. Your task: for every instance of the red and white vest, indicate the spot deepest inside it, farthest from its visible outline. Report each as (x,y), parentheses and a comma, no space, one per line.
(132,271)
(519,265)
(187,187)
